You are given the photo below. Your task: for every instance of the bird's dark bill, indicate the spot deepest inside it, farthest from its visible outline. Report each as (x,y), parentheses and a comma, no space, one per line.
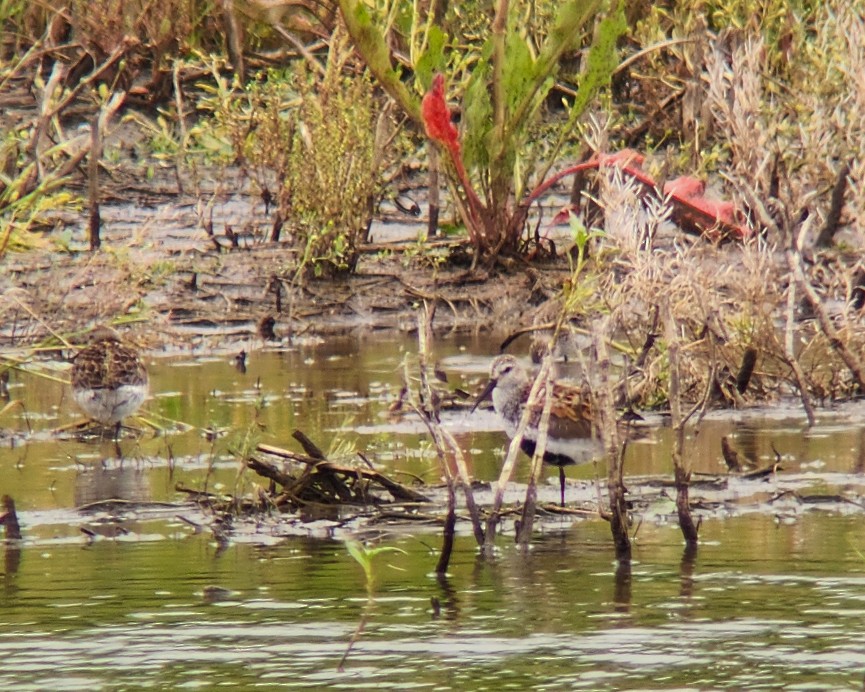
(484,394)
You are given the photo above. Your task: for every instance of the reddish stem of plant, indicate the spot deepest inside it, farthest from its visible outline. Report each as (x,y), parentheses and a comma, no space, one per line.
(439,128)
(690,206)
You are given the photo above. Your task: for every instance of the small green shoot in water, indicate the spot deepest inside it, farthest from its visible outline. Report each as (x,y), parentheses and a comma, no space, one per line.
(581,236)
(364,555)
(578,290)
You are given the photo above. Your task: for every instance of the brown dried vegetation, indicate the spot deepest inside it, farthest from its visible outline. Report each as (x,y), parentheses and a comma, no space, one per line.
(770,110)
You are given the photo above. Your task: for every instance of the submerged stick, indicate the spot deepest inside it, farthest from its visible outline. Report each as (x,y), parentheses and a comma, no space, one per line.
(613,448)
(9,519)
(361,625)
(527,520)
(449,532)
(681,469)
(446,446)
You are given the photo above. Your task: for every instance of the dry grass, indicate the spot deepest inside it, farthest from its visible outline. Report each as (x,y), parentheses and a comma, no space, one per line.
(776,114)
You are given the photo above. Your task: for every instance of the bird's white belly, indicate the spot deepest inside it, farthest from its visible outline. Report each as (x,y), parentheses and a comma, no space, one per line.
(110,406)
(580,450)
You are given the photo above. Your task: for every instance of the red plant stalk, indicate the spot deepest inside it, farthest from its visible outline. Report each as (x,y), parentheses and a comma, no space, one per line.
(439,128)
(686,194)
(691,208)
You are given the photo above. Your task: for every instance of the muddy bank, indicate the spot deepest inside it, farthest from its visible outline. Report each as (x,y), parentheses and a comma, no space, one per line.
(177,286)
(198,272)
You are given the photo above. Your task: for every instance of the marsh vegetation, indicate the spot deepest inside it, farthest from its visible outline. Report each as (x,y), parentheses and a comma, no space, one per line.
(670,195)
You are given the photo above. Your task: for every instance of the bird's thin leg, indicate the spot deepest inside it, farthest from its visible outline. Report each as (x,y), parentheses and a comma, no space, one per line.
(562,483)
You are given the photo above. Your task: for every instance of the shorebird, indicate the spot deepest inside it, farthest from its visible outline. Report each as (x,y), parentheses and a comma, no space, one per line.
(569,436)
(109,381)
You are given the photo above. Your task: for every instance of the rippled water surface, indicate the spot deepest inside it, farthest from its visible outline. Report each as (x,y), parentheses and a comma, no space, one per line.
(146,594)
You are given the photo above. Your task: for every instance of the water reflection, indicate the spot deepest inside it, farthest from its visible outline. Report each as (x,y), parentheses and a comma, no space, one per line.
(687,566)
(555,615)
(622,590)
(128,481)
(11,563)
(163,604)
(447,603)
(859,458)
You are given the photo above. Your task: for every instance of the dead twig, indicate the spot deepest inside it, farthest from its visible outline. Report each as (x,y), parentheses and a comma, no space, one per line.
(323,471)
(95,222)
(790,355)
(308,445)
(767,220)
(446,446)
(681,468)
(235,41)
(833,217)
(850,359)
(9,519)
(746,369)
(544,375)
(613,446)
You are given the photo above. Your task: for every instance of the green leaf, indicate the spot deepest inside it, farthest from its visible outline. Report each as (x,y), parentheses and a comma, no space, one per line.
(359,553)
(372,46)
(364,555)
(433,60)
(565,34)
(372,552)
(477,116)
(570,19)
(602,60)
(517,71)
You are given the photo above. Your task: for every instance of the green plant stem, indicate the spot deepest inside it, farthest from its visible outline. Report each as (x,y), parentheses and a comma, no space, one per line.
(572,17)
(372,46)
(499,113)
(602,62)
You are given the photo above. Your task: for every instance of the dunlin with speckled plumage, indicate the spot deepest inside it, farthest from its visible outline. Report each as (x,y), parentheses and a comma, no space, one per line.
(569,435)
(109,380)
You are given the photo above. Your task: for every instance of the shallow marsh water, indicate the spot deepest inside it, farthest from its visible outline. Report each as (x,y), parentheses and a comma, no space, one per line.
(774,597)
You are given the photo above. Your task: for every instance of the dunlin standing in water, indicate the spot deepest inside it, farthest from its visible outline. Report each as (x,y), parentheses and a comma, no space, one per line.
(569,436)
(109,380)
